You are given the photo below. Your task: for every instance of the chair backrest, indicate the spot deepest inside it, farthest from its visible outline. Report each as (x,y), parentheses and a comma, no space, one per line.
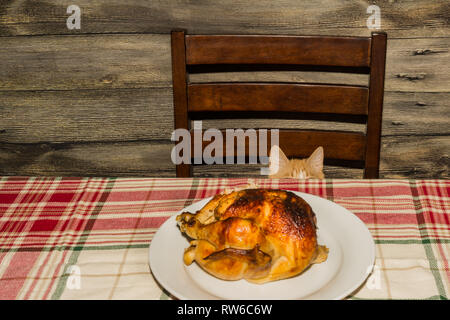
(346,103)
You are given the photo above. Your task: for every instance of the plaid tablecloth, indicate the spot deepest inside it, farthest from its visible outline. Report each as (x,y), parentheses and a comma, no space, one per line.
(88,238)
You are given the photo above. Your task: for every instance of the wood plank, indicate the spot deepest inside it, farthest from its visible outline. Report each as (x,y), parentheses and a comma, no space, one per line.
(86,115)
(87,159)
(147,114)
(278,97)
(401,157)
(325,17)
(85,62)
(416,114)
(282,76)
(143,61)
(418,65)
(337,145)
(281,50)
(418,157)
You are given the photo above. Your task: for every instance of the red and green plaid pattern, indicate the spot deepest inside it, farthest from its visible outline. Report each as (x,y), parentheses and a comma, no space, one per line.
(99,229)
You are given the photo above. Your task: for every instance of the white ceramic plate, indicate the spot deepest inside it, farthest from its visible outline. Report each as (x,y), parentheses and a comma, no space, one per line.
(350,261)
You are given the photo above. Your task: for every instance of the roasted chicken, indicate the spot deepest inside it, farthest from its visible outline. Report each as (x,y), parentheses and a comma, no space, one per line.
(260,235)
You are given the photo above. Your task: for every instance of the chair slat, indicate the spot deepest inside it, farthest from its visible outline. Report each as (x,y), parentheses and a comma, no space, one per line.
(282,50)
(281,97)
(338,145)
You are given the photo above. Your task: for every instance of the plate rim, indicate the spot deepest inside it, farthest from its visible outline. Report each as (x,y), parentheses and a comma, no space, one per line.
(161,281)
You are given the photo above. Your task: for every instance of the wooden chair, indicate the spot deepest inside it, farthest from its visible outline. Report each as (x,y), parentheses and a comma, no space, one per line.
(346,103)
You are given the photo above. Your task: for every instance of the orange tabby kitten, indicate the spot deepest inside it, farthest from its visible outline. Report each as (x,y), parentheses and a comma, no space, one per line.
(310,168)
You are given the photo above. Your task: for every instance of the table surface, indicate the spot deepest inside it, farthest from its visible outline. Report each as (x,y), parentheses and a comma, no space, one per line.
(88,238)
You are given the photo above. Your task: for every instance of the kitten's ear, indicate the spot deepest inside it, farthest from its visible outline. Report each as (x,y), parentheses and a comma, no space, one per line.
(277,160)
(315,160)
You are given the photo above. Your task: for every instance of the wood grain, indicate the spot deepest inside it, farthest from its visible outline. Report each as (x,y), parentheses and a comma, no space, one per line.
(408,71)
(402,157)
(85,62)
(282,76)
(278,97)
(278,50)
(416,157)
(143,61)
(86,115)
(87,159)
(404,19)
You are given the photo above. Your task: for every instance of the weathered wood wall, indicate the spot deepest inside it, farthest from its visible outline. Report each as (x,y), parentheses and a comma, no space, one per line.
(98,101)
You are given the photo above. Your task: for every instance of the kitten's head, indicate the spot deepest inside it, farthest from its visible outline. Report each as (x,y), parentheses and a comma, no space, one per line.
(281,167)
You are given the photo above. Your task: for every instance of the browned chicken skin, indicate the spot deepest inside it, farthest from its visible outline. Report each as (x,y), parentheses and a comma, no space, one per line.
(260,235)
